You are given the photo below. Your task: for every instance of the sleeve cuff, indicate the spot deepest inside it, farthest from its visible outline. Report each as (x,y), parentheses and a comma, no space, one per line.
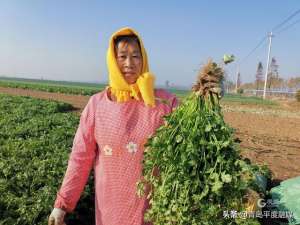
(61,203)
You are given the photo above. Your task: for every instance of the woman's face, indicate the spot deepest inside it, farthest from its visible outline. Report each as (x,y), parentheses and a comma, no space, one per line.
(129,60)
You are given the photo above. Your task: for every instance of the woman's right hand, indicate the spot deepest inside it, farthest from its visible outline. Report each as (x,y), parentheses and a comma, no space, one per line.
(57,217)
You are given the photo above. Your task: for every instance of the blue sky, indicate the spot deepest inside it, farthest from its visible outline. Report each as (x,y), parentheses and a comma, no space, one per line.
(67,40)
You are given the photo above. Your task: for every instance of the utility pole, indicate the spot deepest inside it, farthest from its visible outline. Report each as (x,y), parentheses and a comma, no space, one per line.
(268,63)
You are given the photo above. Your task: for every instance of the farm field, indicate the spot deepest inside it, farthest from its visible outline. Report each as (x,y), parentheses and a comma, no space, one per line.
(268,131)
(76,88)
(35,140)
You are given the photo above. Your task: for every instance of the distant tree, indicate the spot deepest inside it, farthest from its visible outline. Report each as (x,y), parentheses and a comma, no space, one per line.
(259,75)
(279,83)
(238,82)
(250,85)
(167,84)
(294,82)
(273,74)
(274,68)
(228,85)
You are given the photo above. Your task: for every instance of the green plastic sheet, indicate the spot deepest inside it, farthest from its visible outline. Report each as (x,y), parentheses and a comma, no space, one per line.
(287,197)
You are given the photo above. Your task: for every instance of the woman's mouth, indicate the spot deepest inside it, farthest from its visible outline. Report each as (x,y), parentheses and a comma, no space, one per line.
(129,74)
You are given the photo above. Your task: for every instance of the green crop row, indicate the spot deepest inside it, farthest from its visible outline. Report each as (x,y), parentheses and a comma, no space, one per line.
(52,82)
(90,89)
(35,141)
(48,87)
(247,100)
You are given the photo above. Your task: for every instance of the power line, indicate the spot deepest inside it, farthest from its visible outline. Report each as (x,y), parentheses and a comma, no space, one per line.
(286,20)
(288,27)
(270,36)
(253,50)
(274,28)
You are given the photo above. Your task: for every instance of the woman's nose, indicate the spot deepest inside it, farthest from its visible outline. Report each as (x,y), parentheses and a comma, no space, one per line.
(128,62)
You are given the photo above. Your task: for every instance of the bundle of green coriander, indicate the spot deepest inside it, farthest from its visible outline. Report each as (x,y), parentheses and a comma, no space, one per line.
(201,174)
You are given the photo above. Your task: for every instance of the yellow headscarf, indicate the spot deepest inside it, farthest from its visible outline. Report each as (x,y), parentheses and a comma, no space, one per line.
(119,87)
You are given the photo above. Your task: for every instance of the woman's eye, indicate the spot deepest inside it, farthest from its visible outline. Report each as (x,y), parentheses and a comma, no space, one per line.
(121,56)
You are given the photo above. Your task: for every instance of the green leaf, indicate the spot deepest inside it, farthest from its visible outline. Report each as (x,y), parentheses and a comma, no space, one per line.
(208,128)
(178,138)
(226,178)
(217,186)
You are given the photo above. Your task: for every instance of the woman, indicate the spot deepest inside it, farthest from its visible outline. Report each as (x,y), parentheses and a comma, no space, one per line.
(114,126)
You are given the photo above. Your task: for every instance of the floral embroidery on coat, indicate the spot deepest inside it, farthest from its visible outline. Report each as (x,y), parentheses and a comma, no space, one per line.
(107,150)
(131,147)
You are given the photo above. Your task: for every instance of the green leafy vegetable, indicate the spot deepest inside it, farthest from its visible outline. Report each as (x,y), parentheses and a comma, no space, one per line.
(201,173)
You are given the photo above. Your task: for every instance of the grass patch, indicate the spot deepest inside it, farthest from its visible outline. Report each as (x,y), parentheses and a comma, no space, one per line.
(180,93)
(247,100)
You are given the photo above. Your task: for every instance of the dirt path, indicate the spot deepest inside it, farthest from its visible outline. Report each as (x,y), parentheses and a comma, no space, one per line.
(266,138)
